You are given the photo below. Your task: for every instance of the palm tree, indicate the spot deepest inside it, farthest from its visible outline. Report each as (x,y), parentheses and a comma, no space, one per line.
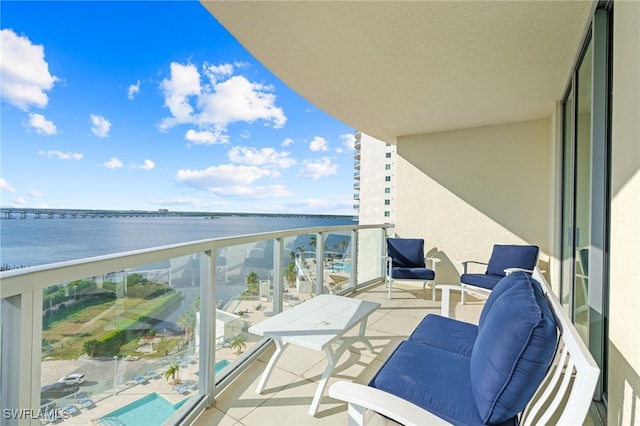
(343,246)
(238,344)
(187,322)
(313,241)
(173,373)
(252,284)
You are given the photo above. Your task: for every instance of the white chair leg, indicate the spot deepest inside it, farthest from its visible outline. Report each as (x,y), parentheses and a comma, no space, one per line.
(433,291)
(390,285)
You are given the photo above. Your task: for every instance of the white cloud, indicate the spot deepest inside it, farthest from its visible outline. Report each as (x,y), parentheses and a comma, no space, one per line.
(113,163)
(188,201)
(184,83)
(6,186)
(147,165)
(316,170)
(340,205)
(34,193)
(217,72)
(206,137)
(261,157)
(287,142)
(100,126)
(253,192)
(348,140)
(23,71)
(42,125)
(133,90)
(225,99)
(238,99)
(61,155)
(319,144)
(20,201)
(222,175)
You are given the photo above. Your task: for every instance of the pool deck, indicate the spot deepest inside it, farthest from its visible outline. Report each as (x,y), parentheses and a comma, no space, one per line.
(127,393)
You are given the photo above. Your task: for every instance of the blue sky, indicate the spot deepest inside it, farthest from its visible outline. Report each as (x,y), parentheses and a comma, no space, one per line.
(149,105)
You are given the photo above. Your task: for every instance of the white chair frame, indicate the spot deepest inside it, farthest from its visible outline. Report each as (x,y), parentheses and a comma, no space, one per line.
(389,280)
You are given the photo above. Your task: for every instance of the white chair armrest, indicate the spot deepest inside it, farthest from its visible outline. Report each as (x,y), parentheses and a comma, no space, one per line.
(465,264)
(512,270)
(434,262)
(360,397)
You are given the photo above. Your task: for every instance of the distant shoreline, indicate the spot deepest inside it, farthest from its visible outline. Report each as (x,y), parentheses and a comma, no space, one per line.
(16,213)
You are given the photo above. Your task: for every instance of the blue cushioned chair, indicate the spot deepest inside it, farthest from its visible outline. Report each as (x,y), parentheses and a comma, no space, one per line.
(504,259)
(477,375)
(406,261)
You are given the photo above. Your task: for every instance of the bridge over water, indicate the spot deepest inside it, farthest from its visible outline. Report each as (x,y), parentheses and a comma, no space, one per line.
(14,213)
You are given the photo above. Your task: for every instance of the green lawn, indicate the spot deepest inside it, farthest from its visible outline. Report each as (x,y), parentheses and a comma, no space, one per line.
(64,333)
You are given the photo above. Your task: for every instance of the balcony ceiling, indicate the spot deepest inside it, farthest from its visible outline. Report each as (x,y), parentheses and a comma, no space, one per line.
(401,68)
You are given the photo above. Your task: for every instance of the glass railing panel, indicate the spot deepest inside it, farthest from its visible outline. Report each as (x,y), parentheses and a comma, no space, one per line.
(244,296)
(337,267)
(370,252)
(128,336)
(300,269)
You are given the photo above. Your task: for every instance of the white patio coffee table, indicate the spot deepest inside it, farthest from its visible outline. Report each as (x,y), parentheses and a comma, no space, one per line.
(316,324)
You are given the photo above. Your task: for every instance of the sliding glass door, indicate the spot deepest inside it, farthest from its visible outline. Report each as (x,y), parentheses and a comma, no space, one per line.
(585,202)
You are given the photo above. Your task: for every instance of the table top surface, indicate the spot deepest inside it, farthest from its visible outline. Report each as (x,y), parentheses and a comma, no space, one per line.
(317,322)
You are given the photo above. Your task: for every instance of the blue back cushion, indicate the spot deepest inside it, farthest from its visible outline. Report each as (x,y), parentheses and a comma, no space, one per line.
(406,252)
(511,256)
(501,287)
(514,348)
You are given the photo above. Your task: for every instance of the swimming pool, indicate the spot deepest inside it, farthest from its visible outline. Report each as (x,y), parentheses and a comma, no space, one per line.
(150,410)
(220,365)
(342,266)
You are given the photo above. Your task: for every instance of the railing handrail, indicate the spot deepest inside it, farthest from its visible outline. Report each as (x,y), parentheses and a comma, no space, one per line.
(17,281)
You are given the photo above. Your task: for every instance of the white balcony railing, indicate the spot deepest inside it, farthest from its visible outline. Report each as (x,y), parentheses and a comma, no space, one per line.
(126,320)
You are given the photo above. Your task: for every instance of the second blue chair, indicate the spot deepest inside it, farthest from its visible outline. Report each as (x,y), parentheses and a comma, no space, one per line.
(406,261)
(505,258)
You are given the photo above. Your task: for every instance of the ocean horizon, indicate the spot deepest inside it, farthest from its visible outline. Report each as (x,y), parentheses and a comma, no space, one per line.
(30,241)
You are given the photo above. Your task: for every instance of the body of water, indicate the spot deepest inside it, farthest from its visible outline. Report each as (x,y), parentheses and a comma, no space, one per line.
(30,242)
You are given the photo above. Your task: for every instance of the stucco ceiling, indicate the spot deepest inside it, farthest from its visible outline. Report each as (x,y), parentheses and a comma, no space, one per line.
(401,68)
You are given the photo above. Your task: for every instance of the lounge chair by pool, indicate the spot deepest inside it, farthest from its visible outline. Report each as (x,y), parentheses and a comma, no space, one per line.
(190,384)
(180,389)
(71,409)
(153,375)
(141,380)
(86,403)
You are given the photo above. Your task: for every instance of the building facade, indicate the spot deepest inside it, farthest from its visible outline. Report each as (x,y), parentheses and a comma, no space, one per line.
(375,176)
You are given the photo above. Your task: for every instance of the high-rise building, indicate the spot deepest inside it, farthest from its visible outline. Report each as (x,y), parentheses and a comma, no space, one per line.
(375,175)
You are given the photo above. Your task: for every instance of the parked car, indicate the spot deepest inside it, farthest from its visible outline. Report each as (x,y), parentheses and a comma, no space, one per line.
(76,378)
(58,390)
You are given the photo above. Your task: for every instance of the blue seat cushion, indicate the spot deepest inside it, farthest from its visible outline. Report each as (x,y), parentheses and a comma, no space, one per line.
(514,348)
(446,333)
(406,252)
(481,280)
(506,256)
(425,274)
(432,378)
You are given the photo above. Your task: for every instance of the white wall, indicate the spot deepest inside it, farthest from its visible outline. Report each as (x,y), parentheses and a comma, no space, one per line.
(624,315)
(463,191)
